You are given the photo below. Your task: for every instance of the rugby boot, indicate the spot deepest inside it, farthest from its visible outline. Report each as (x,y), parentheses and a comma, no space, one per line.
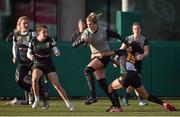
(90,101)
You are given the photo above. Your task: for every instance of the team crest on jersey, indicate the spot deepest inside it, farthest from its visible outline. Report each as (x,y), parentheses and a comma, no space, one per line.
(19,38)
(27,38)
(47,45)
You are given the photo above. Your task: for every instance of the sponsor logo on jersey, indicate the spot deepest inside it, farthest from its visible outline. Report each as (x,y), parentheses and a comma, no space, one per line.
(19,38)
(27,38)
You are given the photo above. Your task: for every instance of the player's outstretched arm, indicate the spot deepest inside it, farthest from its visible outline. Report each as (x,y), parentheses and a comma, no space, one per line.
(78,43)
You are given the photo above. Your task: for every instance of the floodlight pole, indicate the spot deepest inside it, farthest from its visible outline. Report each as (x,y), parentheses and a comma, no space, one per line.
(128,5)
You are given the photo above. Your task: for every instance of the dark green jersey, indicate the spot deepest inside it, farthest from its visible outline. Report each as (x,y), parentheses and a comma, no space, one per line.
(42,50)
(22,41)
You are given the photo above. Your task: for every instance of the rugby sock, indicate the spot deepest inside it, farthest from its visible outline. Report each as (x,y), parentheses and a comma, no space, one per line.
(26,96)
(112,96)
(36,98)
(91,85)
(115,98)
(155,99)
(90,81)
(43,89)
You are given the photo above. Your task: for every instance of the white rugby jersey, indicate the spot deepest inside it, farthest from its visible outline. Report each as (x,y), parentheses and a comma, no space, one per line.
(99,39)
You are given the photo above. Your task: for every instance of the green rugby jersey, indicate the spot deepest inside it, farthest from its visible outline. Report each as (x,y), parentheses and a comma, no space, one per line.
(22,41)
(42,50)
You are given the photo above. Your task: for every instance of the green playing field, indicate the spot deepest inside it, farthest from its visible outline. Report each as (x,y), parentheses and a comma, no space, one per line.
(57,108)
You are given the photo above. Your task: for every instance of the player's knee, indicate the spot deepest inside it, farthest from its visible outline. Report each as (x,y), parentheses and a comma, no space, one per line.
(88,71)
(122,82)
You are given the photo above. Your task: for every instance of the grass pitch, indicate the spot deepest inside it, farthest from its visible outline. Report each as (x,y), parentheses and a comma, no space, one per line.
(57,108)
